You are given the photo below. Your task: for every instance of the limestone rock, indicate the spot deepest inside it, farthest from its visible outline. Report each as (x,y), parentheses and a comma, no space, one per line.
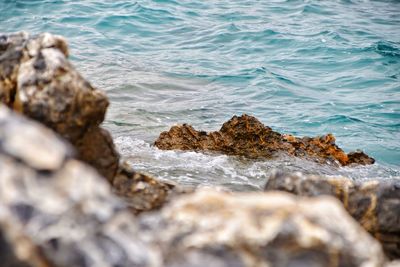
(37,80)
(247,136)
(374,204)
(210,228)
(60,213)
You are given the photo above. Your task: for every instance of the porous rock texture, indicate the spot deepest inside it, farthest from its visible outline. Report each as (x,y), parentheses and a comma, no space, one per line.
(37,80)
(219,229)
(57,211)
(374,204)
(247,136)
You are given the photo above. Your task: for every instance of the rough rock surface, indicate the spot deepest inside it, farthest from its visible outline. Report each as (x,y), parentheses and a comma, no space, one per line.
(374,204)
(142,192)
(56,211)
(277,229)
(247,136)
(37,80)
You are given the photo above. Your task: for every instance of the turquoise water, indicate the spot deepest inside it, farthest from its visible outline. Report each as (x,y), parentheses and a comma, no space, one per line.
(301,67)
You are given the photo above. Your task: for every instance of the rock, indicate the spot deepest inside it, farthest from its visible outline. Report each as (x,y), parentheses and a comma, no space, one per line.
(142,192)
(374,204)
(210,228)
(25,257)
(96,147)
(393,264)
(60,213)
(246,136)
(64,214)
(37,80)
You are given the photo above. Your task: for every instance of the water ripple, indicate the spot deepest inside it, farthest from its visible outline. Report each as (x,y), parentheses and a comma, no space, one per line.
(302,67)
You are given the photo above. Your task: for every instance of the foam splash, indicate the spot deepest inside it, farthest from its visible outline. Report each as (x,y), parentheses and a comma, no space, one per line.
(236,173)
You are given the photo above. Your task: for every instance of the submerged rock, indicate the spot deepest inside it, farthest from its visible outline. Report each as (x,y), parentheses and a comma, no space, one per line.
(56,211)
(374,204)
(247,136)
(37,80)
(277,229)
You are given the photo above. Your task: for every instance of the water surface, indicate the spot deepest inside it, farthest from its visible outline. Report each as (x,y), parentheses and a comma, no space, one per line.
(301,67)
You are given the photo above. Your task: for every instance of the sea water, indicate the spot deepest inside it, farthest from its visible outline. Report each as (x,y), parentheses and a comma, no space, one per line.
(301,67)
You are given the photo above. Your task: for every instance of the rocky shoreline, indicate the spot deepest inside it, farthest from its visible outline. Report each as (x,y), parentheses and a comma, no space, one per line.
(68,199)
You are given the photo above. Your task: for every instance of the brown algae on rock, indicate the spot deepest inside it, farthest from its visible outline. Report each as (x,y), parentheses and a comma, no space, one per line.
(247,136)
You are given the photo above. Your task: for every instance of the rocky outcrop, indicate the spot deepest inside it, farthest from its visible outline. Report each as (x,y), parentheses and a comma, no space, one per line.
(37,80)
(277,229)
(247,136)
(56,211)
(374,204)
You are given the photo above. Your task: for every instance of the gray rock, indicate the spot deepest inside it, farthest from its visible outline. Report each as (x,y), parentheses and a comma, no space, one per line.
(209,228)
(393,264)
(374,204)
(37,80)
(60,212)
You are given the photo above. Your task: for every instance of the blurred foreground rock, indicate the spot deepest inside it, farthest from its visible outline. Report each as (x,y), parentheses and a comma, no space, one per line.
(37,80)
(277,229)
(56,211)
(393,264)
(247,136)
(142,192)
(374,204)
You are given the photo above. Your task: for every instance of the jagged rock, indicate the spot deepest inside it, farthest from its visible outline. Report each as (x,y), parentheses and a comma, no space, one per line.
(247,136)
(37,80)
(210,228)
(374,204)
(60,213)
(142,192)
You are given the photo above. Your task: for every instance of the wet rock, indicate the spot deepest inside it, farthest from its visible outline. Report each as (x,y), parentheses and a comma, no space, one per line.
(37,80)
(210,228)
(246,136)
(142,192)
(374,204)
(60,213)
